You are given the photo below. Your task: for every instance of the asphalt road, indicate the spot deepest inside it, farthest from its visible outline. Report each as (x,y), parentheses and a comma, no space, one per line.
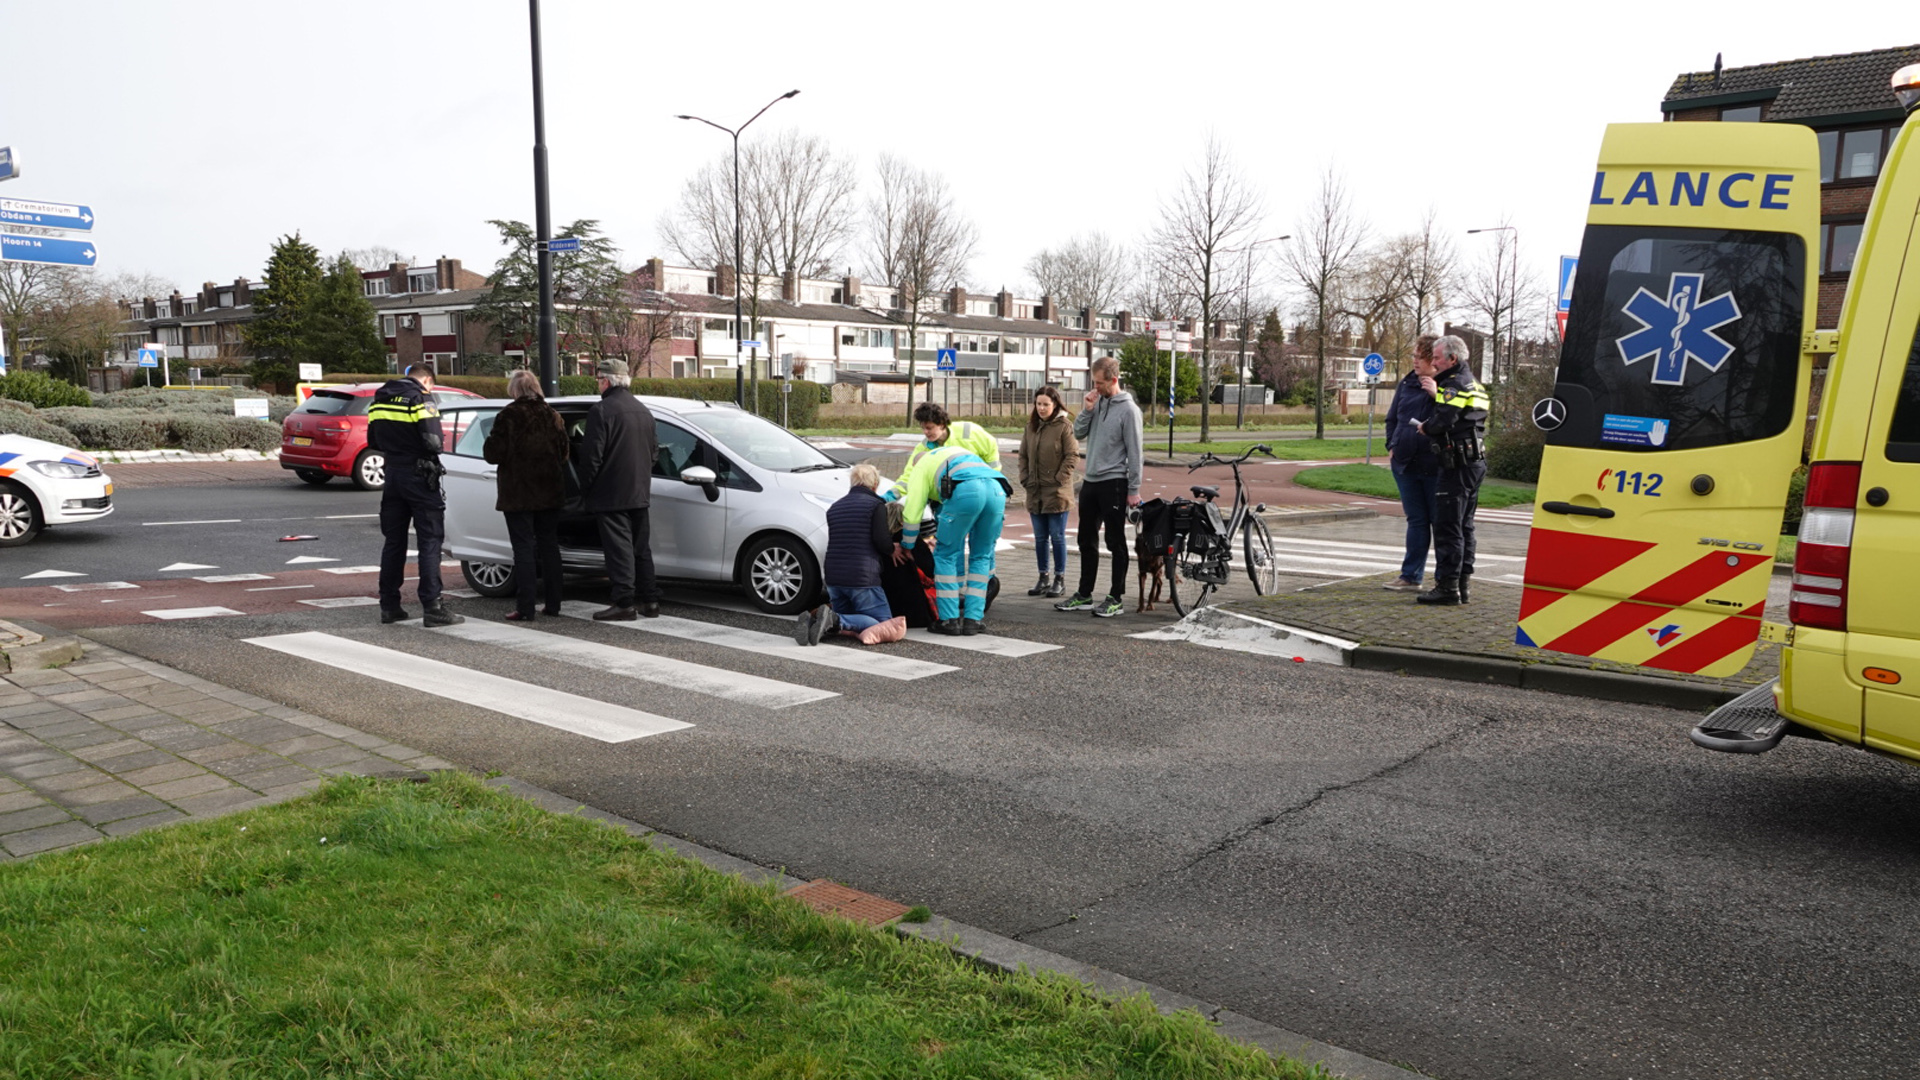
(1476,882)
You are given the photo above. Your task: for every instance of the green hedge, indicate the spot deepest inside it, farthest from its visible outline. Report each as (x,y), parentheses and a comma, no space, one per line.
(42,390)
(801,411)
(152,429)
(208,402)
(111,429)
(27,422)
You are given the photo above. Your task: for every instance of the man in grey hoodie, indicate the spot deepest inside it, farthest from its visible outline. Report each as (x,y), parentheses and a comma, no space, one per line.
(1109,428)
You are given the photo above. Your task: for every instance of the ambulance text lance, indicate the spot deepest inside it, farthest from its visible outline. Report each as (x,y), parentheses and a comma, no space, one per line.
(1734,190)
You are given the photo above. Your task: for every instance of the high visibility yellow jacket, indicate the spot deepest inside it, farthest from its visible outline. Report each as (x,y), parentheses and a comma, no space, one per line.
(922,483)
(964,434)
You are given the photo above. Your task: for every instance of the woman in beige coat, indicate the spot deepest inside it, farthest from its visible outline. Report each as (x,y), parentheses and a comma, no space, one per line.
(1048,454)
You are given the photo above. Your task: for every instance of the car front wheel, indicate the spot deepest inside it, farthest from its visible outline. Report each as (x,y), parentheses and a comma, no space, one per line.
(780,575)
(19,516)
(488,578)
(370,470)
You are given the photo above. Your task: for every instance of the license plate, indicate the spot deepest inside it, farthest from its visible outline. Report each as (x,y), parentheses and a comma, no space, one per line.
(301,440)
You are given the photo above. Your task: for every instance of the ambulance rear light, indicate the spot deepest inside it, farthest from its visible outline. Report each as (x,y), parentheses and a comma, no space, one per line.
(1823,557)
(1906,86)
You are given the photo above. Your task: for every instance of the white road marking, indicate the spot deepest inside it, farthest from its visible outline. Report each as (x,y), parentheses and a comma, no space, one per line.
(96,586)
(53,573)
(1280,542)
(222,579)
(187,566)
(990,644)
(297,559)
(190,612)
(342,601)
(551,708)
(680,674)
(349,569)
(345,517)
(140,599)
(206,521)
(280,588)
(780,645)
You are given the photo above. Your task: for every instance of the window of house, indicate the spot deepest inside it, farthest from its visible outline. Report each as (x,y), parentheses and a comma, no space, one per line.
(386,326)
(1108,322)
(376,286)
(436,324)
(189,307)
(684,327)
(420,283)
(226,297)
(716,326)
(1839,242)
(1749,114)
(1860,153)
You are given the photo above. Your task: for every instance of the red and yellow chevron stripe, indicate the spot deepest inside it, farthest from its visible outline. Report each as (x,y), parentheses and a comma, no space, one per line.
(1667,606)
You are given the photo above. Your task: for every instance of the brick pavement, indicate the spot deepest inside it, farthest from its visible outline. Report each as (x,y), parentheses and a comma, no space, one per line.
(1361,611)
(114,744)
(145,474)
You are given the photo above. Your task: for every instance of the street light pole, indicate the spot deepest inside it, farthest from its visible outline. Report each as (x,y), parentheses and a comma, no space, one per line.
(739,372)
(1513,304)
(1246,287)
(543,219)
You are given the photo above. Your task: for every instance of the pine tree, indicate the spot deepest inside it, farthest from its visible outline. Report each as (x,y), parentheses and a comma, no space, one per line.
(342,332)
(278,334)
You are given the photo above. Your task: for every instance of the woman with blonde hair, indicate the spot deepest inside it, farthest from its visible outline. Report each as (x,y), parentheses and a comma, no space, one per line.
(859,544)
(529,444)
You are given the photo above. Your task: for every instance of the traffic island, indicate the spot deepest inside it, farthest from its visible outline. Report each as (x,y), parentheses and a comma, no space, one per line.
(1382,630)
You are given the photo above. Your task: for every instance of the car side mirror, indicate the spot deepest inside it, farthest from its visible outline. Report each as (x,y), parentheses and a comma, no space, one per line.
(703,476)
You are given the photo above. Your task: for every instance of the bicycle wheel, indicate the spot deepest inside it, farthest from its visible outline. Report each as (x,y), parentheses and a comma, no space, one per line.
(1196,596)
(1261,566)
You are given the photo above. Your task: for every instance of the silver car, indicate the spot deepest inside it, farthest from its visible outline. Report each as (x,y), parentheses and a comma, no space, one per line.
(735,499)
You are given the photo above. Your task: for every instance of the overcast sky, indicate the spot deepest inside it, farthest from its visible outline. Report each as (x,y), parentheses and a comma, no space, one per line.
(199,133)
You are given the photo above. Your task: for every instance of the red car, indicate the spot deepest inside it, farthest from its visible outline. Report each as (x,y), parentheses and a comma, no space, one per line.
(327,435)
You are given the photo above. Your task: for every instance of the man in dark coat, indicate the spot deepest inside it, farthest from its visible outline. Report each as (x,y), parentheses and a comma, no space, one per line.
(404,424)
(1458,428)
(616,471)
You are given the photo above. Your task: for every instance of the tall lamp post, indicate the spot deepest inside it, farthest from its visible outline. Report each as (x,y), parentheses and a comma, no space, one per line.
(1513,305)
(739,372)
(543,219)
(1246,287)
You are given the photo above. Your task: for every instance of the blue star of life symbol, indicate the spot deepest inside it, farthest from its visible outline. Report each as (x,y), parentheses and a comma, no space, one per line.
(1678,328)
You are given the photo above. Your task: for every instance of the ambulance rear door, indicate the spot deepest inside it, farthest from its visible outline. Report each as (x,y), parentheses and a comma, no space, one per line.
(1680,401)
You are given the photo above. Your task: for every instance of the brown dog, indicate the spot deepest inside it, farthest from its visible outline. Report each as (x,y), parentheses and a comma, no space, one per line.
(1153,564)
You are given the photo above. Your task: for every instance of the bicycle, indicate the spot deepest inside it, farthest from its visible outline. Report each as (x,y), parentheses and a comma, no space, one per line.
(1203,543)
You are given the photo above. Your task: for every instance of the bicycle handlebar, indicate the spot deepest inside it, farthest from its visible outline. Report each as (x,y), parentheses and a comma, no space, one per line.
(1209,458)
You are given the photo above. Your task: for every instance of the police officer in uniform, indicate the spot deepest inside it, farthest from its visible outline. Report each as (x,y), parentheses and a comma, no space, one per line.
(1458,428)
(404,424)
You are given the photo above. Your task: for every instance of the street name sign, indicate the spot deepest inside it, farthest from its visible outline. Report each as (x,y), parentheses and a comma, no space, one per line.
(565,243)
(46,249)
(1163,324)
(749,344)
(9,163)
(46,215)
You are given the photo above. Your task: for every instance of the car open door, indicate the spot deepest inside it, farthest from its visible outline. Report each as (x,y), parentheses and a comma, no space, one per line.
(1680,403)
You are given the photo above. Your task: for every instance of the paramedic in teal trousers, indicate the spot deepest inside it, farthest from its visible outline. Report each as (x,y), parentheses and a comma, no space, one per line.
(971,513)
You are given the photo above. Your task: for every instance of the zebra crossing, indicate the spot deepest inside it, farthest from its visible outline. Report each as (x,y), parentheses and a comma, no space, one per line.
(653,677)
(1339,559)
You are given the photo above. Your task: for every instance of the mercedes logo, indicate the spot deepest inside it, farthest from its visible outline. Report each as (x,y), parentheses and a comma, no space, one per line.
(1549,413)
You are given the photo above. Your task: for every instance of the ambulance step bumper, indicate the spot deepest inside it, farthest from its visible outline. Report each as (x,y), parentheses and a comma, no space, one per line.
(1748,724)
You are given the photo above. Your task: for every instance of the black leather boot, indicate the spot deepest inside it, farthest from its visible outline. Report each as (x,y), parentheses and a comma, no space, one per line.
(1445,593)
(1462,588)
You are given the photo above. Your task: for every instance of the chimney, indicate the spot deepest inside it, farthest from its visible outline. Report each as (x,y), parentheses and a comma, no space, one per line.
(723,275)
(209,296)
(657,275)
(1047,312)
(957,301)
(850,290)
(1005,300)
(397,278)
(1126,322)
(447,272)
(242,292)
(790,286)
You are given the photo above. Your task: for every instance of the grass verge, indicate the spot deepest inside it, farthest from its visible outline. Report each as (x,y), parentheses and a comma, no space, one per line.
(1377,480)
(1283,449)
(447,929)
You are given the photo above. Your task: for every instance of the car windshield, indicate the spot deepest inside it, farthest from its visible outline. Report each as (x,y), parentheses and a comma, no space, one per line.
(334,403)
(766,445)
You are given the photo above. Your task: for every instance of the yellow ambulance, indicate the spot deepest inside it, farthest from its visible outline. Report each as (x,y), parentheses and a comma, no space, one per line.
(1678,417)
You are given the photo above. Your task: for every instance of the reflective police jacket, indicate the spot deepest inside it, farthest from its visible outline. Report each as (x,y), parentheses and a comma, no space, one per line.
(1459,407)
(964,434)
(923,483)
(403,423)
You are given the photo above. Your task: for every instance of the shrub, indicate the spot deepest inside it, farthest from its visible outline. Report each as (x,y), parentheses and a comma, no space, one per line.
(42,390)
(28,423)
(217,401)
(1796,503)
(111,429)
(212,434)
(1514,459)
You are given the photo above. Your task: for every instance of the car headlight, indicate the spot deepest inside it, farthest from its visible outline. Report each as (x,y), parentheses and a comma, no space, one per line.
(822,501)
(66,470)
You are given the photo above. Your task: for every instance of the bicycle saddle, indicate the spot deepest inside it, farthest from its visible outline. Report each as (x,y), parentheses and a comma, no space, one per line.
(1201,491)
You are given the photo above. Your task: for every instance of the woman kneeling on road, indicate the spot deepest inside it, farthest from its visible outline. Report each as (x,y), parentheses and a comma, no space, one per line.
(858,545)
(529,443)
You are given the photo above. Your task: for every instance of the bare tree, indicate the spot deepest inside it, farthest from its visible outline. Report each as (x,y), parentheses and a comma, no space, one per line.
(1325,243)
(1431,274)
(1375,294)
(1492,290)
(1214,209)
(919,243)
(377,257)
(1089,271)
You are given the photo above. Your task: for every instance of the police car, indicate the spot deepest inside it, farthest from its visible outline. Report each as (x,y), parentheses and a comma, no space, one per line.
(43,483)
(1680,415)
